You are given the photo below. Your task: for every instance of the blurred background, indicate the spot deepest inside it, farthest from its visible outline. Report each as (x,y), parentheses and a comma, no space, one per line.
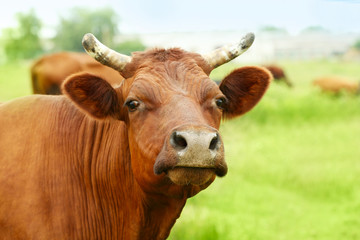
(294,160)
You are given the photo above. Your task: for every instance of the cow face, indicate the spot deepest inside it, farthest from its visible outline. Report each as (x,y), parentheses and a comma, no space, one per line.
(172,111)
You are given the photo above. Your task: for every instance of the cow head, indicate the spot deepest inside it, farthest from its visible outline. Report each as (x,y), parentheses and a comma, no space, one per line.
(172,110)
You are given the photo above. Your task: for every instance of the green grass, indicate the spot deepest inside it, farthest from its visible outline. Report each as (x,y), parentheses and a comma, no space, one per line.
(294,163)
(14,80)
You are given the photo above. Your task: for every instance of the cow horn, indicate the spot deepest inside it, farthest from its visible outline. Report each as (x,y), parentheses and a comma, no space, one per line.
(229,52)
(103,54)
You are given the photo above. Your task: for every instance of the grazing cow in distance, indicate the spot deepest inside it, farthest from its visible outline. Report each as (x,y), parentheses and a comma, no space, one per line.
(119,163)
(278,74)
(336,84)
(49,71)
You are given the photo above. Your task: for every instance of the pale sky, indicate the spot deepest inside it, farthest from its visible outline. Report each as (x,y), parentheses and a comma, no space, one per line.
(153,16)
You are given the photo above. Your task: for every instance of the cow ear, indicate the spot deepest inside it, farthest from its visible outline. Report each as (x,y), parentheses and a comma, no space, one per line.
(243,89)
(93,95)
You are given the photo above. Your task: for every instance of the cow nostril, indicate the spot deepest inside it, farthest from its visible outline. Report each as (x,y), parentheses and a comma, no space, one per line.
(214,142)
(178,141)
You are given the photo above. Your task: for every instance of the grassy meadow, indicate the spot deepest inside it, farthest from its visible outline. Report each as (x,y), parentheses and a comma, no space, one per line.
(14,80)
(294,162)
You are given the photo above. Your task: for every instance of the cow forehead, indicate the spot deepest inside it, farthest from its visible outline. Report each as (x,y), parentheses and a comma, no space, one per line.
(172,73)
(172,78)
(169,70)
(157,57)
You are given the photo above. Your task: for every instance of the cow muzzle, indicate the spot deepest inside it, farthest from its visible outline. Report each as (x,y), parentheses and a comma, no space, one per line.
(192,155)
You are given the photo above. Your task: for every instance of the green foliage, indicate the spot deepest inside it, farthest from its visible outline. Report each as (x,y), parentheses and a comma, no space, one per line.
(357,45)
(129,46)
(23,42)
(103,23)
(273,29)
(315,29)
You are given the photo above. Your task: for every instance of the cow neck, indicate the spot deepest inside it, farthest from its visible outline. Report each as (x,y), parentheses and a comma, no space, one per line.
(108,175)
(161,215)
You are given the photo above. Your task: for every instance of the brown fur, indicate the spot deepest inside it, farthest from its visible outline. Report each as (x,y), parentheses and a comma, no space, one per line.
(336,84)
(278,74)
(242,95)
(49,71)
(80,166)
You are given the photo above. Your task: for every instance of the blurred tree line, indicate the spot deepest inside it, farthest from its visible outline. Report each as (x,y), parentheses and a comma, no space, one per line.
(25,42)
(357,45)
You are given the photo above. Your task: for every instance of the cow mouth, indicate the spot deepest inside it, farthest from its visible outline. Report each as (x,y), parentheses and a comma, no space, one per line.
(190,174)
(192,155)
(184,176)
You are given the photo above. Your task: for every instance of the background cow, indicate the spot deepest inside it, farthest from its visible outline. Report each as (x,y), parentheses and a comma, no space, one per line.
(336,84)
(278,74)
(49,71)
(119,163)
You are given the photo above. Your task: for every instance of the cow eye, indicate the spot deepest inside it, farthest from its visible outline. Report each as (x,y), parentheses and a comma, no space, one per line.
(220,102)
(132,105)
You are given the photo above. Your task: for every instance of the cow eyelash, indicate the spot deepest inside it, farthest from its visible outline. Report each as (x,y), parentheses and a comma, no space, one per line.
(132,104)
(221,102)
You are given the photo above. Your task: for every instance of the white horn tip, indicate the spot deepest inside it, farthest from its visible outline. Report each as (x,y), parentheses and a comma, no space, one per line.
(89,43)
(247,40)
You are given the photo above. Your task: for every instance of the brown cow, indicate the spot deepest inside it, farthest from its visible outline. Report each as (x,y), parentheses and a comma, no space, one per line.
(336,84)
(48,72)
(278,74)
(119,163)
